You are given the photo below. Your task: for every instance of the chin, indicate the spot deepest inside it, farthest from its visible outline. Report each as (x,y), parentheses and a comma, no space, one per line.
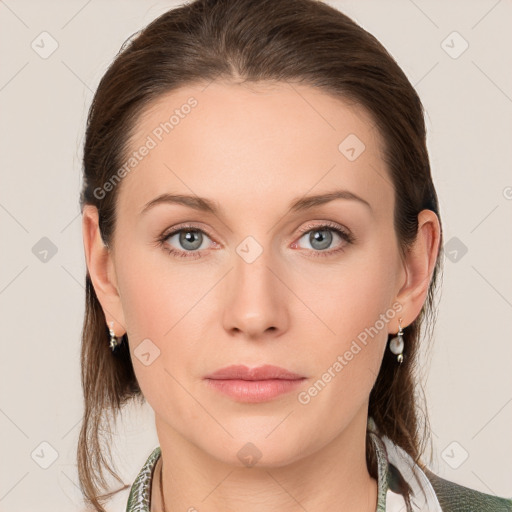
(259,449)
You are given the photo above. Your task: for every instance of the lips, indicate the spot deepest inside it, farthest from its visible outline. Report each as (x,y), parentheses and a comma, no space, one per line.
(260,384)
(265,372)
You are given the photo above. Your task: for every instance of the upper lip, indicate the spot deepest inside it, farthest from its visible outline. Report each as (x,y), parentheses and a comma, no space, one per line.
(259,373)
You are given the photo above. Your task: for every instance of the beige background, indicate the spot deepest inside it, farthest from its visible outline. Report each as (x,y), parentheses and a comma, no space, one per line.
(44,102)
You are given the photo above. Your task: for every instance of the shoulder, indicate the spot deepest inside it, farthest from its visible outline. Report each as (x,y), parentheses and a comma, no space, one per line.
(457,498)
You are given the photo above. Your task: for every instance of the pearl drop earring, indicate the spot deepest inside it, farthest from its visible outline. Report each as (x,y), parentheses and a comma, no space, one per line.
(396,344)
(114,342)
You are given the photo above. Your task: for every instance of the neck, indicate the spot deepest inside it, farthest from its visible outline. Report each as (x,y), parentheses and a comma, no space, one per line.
(333,478)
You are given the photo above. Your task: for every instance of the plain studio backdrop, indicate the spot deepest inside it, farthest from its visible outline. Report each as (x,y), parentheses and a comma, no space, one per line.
(456,54)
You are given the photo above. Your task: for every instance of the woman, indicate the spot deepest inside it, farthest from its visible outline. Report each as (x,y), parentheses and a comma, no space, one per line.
(263,243)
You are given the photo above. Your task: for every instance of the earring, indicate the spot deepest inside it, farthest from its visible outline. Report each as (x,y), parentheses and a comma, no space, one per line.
(396,344)
(114,342)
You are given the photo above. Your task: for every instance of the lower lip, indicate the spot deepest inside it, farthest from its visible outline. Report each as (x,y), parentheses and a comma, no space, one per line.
(254,390)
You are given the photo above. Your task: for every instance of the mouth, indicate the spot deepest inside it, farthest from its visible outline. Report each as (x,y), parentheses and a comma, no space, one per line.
(253,385)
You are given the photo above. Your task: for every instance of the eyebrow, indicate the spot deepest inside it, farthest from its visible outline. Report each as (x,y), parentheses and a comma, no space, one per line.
(207,205)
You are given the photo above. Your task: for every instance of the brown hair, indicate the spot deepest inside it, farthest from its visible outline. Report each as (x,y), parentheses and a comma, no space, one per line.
(303,41)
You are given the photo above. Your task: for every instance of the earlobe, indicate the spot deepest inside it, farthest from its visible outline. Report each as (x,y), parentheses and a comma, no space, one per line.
(419,265)
(101,269)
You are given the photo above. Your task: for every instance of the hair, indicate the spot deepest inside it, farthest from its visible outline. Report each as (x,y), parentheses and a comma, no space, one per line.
(294,41)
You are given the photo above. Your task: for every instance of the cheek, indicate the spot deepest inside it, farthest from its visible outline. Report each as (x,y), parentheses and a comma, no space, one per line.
(154,289)
(164,307)
(353,304)
(355,311)
(352,297)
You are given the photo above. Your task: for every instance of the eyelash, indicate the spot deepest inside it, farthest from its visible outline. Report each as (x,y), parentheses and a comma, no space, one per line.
(345,235)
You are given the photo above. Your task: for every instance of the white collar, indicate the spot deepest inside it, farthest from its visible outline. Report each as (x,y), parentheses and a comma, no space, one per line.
(422,497)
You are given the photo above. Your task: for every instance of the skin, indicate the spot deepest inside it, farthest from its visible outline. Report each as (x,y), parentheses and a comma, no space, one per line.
(254,149)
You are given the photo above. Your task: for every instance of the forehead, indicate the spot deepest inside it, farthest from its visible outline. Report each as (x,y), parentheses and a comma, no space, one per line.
(264,141)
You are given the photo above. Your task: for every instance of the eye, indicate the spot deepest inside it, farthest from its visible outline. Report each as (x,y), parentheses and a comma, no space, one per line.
(184,242)
(188,241)
(321,237)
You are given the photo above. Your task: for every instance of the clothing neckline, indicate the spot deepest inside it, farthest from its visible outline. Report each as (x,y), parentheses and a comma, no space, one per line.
(392,463)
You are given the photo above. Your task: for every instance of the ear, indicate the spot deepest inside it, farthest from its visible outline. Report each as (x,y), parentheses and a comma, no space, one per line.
(100,265)
(418,264)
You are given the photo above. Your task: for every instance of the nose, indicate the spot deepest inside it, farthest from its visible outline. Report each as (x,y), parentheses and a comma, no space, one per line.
(256,297)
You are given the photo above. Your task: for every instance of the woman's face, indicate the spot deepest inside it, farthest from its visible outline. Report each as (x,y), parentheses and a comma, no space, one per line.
(254,280)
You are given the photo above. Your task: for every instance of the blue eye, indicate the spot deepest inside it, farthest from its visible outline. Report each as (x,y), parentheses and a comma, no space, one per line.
(189,237)
(320,237)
